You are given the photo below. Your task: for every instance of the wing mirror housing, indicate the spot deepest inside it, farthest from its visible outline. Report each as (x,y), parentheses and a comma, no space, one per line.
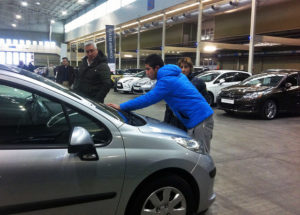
(81,143)
(288,85)
(221,81)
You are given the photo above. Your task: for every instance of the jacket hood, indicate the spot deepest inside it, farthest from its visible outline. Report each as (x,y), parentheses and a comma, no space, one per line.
(168,70)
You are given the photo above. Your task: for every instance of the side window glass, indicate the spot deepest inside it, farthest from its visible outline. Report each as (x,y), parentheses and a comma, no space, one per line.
(100,133)
(292,79)
(28,119)
(230,77)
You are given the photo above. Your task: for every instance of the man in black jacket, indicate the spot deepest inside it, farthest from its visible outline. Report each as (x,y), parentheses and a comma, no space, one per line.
(93,80)
(65,73)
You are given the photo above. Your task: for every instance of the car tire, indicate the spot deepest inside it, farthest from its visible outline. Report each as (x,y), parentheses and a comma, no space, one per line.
(167,194)
(269,110)
(210,98)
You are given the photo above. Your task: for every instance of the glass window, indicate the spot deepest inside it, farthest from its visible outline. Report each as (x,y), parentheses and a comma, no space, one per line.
(52,44)
(15,42)
(29,58)
(209,76)
(241,76)
(2,41)
(293,79)
(263,80)
(41,43)
(99,133)
(34,43)
(2,58)
(22,42)
(28,119)
(22,57)
(8,41)
(9,58)
(47,43)
(16,58)
(28,42)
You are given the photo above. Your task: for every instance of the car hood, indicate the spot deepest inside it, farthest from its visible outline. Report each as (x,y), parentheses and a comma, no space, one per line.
(155,126)
(129,78)
(240,89)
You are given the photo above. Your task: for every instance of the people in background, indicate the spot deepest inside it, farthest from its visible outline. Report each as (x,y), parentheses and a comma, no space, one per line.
(22,65)
(93,80)
(185,101)
(65,73)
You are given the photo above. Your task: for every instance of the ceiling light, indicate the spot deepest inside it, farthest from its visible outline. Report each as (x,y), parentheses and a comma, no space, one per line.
(52,21)
(153,17)
(18,16)
(13,25)
(24,3)
(128,55)
(64,12)
(81,1)
(210,48)
(37,3)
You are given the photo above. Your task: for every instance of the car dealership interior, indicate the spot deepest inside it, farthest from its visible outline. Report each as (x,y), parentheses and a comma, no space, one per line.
(72,141)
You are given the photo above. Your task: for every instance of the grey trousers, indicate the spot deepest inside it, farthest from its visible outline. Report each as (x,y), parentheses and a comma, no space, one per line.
(203,132)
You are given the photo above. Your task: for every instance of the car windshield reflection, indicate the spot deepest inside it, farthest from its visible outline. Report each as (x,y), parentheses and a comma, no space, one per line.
(263,80)
(208,77)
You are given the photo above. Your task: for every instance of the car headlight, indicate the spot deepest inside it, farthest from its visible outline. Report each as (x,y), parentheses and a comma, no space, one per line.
(191,144)
(253,95)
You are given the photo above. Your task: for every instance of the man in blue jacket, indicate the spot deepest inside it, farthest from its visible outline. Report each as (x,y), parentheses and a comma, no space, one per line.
(183,98)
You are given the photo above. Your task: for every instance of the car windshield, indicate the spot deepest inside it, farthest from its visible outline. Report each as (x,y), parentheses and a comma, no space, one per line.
(128,118)
(208,76)
(269,80)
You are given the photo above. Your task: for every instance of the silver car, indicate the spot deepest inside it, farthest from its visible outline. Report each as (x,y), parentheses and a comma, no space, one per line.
(63,154)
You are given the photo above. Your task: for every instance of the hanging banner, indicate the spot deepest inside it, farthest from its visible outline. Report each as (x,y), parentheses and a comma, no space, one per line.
(110,46)
(150,4)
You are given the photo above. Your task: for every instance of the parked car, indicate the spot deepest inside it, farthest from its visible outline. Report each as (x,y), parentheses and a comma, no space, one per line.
(126,84)
(199,69)
(63,154)
(216,80)
(143,85)
(119,73)
(265,94)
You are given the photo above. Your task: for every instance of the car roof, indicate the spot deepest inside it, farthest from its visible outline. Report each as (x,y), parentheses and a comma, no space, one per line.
(226,71)
(281,71)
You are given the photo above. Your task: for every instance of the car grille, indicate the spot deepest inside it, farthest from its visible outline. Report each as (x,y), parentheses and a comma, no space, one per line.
(231,95)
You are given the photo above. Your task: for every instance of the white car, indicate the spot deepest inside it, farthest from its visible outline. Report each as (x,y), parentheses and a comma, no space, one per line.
(216,80)
(126,84)
(143,85)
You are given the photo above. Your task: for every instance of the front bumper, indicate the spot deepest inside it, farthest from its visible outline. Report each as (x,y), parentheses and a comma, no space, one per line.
(239,105)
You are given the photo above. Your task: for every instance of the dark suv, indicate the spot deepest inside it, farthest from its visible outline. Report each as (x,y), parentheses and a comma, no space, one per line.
(266,94)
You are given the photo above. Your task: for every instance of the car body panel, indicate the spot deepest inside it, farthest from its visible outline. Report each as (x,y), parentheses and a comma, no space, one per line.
(143,85)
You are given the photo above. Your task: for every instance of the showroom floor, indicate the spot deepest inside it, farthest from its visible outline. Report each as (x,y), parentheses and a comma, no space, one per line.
(258,162)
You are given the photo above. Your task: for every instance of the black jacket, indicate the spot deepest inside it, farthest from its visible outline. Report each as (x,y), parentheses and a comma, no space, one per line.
(170,118)
(61,74)
(93,81)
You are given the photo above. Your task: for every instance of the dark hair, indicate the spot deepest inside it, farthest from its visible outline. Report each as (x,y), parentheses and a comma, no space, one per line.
(154,60)
(65,58)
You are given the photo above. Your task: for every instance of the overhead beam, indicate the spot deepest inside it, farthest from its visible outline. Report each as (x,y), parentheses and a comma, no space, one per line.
(279,40)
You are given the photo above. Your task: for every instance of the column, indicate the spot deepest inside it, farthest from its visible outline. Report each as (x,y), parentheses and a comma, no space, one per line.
(163,37)
(138,45)
(199,33)
(252,37)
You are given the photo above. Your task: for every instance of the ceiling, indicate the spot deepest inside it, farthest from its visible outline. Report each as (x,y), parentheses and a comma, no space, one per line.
(37,12)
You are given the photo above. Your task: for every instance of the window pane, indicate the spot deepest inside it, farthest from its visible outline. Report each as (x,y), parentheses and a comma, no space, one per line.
(99,132)
(41,43)
(47,44)
(2,57)
(22,57)
(28,42)
(30,119)
(15,42)
(9,57)
(8,41)
(16,58)
(22,42)
(34,43)
(29,58)
(2,41)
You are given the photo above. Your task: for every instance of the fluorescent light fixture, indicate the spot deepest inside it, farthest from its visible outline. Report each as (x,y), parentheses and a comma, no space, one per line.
(37,3)
(134,23)
(128,55)
(96,13)
(14,25)
(24,3)
(18,16)
(64,12)
(150,18)
(52,21)
(210,48)
(81,1)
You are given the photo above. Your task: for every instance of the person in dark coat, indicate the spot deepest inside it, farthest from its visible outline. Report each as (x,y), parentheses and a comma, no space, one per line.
(65,74)
(186,66)
(93,80)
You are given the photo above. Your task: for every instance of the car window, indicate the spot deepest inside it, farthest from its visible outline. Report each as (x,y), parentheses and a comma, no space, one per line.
(208,77)
(100,133)
(293,79)
(271,80)
(26,119)
(228,77)
(241,76)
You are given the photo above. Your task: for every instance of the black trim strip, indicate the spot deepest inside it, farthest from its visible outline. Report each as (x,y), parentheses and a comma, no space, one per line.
(33,206)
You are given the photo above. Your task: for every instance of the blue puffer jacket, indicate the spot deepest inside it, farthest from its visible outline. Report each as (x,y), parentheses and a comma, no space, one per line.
(179,93)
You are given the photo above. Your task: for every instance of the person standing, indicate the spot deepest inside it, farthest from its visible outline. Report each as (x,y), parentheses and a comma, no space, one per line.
(65,73)
(93,80)
(186,102)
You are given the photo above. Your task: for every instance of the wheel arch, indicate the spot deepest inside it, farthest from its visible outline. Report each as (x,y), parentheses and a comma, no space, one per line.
(176,171)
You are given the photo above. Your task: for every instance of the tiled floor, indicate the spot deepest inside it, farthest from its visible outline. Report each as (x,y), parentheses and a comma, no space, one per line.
(258,162)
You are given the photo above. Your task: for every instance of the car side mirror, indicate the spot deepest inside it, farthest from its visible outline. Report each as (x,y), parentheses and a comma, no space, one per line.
(82,144)
(288,85)
(221,81)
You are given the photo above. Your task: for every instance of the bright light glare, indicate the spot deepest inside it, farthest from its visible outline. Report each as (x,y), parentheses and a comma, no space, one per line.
(24,3)
(210,48)
(96,13)
(128,55)
(18,16)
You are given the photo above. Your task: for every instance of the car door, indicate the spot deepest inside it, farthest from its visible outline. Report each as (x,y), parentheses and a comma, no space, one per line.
(291,96)
(37,174)
(229,81)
